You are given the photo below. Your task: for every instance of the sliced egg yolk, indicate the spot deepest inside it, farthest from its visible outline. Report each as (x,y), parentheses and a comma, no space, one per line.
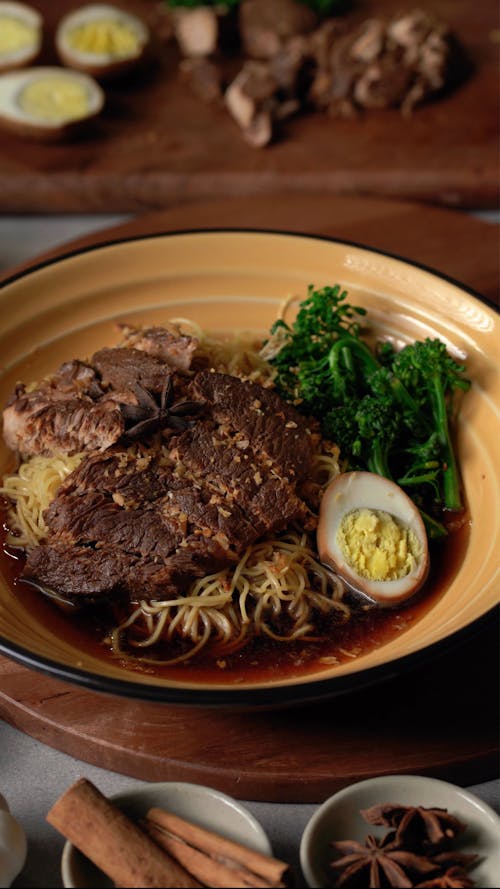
(102,39)
(54,99)
(107,37)
(377,545)
(16,35)
(21,29)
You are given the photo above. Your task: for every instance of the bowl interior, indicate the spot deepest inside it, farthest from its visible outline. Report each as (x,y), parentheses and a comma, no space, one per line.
(229,281)
(201,805)
(339,819)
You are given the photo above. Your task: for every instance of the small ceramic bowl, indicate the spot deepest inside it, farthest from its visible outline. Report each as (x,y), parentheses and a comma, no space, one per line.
(201,805)
(338,818)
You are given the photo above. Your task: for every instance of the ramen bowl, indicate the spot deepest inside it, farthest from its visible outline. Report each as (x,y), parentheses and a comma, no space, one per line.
(235,280)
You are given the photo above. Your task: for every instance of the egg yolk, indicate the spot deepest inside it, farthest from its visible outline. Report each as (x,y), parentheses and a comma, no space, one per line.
(377,546)
(106,37)
(54,99)
(15,35)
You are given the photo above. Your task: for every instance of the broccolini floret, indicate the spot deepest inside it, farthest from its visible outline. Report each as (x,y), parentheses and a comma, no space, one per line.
(389,411)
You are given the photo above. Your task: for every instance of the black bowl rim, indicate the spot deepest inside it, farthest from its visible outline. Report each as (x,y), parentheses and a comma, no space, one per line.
(276,695)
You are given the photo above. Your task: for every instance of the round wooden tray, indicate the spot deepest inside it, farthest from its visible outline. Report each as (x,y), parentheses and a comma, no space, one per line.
(440,718)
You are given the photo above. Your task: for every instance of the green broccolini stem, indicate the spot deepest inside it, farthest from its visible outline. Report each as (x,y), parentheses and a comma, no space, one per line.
(344,347)
(435,530)
(377,461)
(451,486)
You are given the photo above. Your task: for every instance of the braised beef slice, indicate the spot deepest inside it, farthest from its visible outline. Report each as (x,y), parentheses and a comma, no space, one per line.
(123,368)
(84,574)
(241,475)
(203,511)
(158,520)
(270,425)
(77,573)
(93,519)
(150,580)
(130,479)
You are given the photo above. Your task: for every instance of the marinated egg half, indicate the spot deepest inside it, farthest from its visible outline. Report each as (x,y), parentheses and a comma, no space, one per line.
(372,535)
(101,40)
(20,35)
(48,102)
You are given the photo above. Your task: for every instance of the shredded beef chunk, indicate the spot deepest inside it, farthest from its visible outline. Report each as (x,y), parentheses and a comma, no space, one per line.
(166,343)
(156,521)
(87,407)
(398,63)
(43,422)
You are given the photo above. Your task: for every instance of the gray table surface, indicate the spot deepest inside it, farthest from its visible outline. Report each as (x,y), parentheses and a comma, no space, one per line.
(32,775)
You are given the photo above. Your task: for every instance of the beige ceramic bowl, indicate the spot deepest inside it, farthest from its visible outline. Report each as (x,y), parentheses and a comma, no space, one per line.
(238,280)
(202,805)
(338,818)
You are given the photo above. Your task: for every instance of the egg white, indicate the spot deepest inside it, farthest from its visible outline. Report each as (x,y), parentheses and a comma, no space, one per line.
(12,85)
(26,54)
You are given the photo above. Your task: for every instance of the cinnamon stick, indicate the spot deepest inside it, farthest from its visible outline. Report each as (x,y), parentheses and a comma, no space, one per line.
(233,856)
(126,854)
(212,872)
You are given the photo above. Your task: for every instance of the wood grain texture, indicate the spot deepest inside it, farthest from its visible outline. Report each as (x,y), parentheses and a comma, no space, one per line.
(157,144)
(454,244)
(440,718)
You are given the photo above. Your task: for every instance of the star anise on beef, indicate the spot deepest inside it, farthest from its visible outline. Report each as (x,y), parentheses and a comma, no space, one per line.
(377,863)
(418,828)
(152,413)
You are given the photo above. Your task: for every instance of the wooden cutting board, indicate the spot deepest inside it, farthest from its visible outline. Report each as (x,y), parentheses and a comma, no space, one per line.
(439,719)
(157,144)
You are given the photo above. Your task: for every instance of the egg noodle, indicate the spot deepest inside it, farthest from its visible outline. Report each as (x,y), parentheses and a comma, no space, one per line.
(278,589)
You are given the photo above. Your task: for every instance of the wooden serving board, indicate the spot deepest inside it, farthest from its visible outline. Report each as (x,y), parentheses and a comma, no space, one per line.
(157,144)
(440,718)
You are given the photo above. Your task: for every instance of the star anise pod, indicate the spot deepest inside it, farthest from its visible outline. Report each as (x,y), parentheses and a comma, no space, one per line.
(418,828)
(377,863)
(454,877)
(150,414)
(452,871)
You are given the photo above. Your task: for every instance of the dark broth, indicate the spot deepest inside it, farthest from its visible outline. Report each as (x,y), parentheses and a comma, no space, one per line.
(262,659)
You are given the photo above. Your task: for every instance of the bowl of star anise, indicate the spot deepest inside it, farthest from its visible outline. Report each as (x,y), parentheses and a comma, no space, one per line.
(402,831)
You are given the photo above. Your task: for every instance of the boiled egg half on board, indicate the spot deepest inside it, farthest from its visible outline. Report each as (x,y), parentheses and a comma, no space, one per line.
(371,534)
(102,40)
(21,29)
(48,103)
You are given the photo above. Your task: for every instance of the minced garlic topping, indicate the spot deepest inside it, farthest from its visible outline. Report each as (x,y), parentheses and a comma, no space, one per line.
(377,546)
(106,37)
(15,34)
(54,99)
